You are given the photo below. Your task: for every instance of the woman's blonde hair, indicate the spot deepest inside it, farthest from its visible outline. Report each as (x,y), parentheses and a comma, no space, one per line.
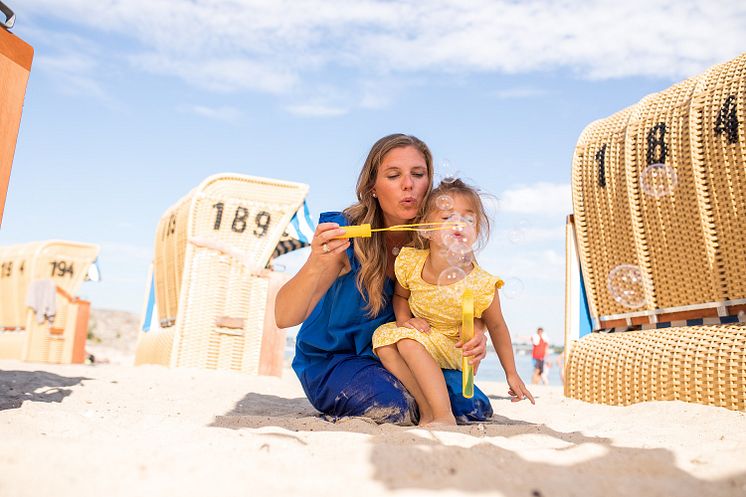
(449,188)
(371,252)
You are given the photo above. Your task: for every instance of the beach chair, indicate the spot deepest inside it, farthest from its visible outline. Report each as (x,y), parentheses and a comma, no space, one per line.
(15,65)
(210,297)
(674,329)
(28,335)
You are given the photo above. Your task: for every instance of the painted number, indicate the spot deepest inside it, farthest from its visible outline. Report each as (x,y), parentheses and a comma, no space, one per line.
(169,228)
(61,268)
(727,120)
(601,160)
(657,149)
(6,269)
(241,216)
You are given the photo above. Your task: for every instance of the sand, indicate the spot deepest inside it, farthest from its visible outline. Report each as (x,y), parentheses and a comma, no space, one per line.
(115,429)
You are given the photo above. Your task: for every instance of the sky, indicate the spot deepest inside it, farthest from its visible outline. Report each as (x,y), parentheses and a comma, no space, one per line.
(132,103)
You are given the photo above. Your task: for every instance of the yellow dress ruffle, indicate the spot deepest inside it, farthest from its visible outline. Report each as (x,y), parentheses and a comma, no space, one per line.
(440,306)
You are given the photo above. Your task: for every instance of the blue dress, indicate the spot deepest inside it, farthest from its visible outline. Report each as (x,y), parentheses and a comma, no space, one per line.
(341,375)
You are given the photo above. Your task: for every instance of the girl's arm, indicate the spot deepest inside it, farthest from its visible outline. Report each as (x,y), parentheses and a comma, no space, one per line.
(297,298)
(403,313)
(493,318)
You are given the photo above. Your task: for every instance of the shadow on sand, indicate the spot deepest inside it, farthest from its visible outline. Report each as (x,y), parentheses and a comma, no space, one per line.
(17,387)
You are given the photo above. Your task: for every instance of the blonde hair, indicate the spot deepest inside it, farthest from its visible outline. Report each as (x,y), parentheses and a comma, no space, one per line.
(451,187)
(371,252)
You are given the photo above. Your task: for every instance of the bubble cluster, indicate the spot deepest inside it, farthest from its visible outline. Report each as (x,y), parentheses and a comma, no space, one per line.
(658,180)
(626,286)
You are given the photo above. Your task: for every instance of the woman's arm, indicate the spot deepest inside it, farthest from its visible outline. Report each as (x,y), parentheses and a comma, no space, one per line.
(498,329)
(297,298)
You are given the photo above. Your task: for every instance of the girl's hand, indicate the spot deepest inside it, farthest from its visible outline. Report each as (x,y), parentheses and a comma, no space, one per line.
(476,348)
(518,390)
(418,324)
(324,246)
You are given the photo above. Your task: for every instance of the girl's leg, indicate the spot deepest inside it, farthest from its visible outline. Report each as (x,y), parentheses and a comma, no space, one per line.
(428,376)
(393,361)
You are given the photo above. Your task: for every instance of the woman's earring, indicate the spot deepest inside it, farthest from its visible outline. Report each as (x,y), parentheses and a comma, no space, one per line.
(374,195)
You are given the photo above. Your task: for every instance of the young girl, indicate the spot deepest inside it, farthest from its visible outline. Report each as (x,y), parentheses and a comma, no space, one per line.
(427,303)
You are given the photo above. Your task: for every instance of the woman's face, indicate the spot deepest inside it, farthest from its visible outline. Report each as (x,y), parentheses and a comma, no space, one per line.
(401,184)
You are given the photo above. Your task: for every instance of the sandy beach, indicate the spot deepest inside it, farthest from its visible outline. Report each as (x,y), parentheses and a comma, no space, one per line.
(119,430)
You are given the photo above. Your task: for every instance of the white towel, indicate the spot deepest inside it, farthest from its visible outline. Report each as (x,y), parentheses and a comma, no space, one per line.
(42,298)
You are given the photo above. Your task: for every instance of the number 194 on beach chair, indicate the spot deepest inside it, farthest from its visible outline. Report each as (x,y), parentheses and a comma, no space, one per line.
(41,319)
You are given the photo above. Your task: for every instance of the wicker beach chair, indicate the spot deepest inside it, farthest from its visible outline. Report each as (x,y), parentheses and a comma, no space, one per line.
(681,230)
(24,334)
(15,65)
(212,303)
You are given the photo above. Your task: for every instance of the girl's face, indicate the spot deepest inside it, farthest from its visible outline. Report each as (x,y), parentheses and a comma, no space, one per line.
(401,184)
(461,210)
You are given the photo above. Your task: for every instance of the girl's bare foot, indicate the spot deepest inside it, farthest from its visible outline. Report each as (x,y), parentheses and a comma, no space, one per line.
(440,421)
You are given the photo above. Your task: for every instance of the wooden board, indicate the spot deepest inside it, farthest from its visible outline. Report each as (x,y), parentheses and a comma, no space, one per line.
(15,65)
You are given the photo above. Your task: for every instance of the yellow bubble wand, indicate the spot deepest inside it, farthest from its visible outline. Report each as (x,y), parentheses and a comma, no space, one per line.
(467,333)
(365,230)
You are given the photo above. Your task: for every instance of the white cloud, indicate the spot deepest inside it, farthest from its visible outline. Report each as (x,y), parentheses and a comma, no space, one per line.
(541,198)
(316,110)
(224,113)
(519,92)
(273,47)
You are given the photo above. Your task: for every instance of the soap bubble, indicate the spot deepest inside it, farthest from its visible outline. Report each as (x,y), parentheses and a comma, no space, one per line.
(451,280)
(446,173)
(626,285)
(460,254)
(444,203)
(658,180)
(513,288)
(517,233)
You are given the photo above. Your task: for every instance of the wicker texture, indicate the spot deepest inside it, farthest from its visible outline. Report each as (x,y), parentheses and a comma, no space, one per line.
(701,364)
(198,283)
(719,161)
(688,242)
(65,263)
(602,212)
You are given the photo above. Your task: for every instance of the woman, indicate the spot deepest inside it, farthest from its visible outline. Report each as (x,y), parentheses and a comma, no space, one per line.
(344,291)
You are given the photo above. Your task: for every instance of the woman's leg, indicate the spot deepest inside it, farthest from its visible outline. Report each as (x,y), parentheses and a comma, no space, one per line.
(360,386)
(429,378)
(477,408)
(394,362)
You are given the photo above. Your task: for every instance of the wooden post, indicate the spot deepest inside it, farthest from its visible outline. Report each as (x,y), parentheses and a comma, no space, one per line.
(15,66)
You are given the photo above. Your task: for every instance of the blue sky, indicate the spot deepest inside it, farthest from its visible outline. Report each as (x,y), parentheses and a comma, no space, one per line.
(131,104)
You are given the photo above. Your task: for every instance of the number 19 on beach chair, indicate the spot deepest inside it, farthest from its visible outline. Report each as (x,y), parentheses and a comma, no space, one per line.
(41,320)
(210,301)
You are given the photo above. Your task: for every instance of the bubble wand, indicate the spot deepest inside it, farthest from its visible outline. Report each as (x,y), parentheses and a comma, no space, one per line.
(365,231)
(467,333)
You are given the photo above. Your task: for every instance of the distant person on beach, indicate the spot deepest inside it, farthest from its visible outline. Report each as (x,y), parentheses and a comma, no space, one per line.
(538,353)
(426,334)
(344,292)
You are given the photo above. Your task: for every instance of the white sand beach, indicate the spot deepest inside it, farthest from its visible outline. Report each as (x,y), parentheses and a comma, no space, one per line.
(120,430)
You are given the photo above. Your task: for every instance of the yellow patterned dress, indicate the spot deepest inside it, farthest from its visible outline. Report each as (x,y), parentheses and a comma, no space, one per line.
(440,306)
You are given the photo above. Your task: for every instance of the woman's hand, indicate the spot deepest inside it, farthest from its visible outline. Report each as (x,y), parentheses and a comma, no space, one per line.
(476,348)
(518,390)
(325,246)
(418,324)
